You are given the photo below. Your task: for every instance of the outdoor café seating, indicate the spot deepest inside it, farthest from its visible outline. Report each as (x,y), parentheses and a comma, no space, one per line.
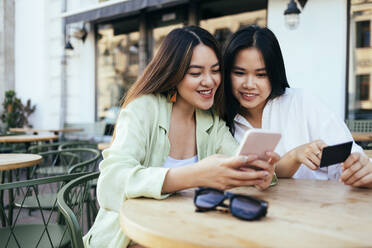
(76,201)
(43,228)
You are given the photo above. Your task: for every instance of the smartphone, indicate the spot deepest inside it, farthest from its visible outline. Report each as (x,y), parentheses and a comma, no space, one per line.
(258,141)
(335,154)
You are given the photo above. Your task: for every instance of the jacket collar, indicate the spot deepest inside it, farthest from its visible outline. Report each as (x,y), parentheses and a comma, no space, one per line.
(204,118)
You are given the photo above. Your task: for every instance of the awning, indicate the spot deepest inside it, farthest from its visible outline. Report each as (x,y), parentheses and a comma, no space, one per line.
(116,9)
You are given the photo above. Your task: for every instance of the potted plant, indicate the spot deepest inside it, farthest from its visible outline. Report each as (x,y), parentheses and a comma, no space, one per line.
(15,113)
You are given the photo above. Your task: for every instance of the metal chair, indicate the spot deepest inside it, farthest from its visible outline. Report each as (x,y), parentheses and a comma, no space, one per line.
(362,126)
(67,161)
(78,144)
(47,230)
(45,147)
(359,125)
(59,163)
(74,200)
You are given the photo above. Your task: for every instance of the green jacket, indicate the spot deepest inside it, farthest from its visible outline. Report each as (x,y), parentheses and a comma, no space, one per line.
(132,166)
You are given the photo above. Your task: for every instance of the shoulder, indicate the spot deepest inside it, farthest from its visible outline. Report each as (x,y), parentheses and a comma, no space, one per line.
(147,101)
(296,96)
(146,108)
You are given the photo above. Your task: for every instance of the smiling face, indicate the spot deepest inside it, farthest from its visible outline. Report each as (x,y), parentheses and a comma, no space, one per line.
(199,85)
(250,83)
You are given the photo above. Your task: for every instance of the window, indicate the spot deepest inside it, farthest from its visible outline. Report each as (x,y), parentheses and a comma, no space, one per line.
(363,34)
(362,87)
(117,67)
(360,61)
(223,18)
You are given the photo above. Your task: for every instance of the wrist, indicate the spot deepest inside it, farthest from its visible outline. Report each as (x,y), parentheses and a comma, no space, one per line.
(195,177)
(293,158)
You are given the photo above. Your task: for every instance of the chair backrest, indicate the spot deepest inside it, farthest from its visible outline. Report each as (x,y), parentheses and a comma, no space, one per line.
(90,130)
(69,160)
(76,199)
(44,228)
(359,125)
(44,147)
(78,144)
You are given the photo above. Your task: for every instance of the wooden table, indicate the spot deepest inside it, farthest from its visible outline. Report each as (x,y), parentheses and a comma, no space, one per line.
(359,136)
(103,146)
(36,131)
(26,138)
(11,161)
(301,213)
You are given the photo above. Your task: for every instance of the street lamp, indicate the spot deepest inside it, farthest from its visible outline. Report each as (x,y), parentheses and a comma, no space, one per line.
(291,15)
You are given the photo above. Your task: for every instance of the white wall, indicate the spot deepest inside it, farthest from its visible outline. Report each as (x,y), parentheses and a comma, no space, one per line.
(39,49)
(315,52)
(30,57)
(81,81)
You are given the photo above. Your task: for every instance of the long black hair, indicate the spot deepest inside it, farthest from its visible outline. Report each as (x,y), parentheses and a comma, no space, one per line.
(265,41)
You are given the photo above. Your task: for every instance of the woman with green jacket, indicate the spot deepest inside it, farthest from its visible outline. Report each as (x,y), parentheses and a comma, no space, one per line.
(167,135)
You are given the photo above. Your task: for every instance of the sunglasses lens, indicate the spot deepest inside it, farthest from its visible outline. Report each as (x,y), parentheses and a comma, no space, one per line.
(208,199)
(246,208)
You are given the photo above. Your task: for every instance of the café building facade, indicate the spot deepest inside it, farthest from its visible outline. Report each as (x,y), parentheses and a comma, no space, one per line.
(81,57)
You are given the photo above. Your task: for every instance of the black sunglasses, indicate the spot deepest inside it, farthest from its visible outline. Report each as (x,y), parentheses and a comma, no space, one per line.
(241,206)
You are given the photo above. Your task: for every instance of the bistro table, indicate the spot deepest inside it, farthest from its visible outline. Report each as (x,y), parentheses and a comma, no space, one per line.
(36,131)
(362,136)
(104,145)
(26,138)
(12,161)
(301,213)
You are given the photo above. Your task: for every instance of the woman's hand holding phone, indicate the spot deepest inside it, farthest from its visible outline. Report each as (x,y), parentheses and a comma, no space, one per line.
(264,165)
(222,172)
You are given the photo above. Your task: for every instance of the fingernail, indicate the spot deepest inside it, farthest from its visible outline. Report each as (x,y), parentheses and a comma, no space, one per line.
(266,173)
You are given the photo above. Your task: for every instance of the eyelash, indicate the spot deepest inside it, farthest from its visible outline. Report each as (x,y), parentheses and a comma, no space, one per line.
(195,74)
(261,75)
(242,73)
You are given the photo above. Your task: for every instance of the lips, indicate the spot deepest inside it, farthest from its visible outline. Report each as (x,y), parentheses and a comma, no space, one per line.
(206,93)
(249,96)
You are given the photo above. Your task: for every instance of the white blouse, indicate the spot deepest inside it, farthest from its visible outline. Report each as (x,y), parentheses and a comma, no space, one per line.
(174,163)
(301,118)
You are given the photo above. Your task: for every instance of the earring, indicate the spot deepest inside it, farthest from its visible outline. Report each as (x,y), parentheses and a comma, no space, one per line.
(172,95)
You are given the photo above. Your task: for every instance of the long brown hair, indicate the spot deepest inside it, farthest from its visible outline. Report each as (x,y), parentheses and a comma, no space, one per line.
(170,64)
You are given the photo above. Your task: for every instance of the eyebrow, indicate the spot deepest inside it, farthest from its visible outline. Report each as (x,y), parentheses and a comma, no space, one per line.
(242,69)
(201,67)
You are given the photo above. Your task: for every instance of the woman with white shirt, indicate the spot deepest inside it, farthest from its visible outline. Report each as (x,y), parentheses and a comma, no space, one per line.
(257,95)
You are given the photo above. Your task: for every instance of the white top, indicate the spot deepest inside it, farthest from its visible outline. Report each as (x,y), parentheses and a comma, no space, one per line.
(174,163)
(301,118)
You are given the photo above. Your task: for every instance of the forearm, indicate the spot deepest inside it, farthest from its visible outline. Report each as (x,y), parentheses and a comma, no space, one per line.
(181,178)
(287,165)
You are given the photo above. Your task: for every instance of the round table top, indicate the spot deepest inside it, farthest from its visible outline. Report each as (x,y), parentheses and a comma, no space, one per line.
(103,146)
(362,136)
(10,161)
(26,138)
(31,130)
(311,213)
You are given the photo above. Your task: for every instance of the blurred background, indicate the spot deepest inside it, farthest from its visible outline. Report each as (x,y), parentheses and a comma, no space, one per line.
(76,59)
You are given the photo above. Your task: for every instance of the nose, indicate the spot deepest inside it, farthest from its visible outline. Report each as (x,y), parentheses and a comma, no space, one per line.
(249,82)
(208,80)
